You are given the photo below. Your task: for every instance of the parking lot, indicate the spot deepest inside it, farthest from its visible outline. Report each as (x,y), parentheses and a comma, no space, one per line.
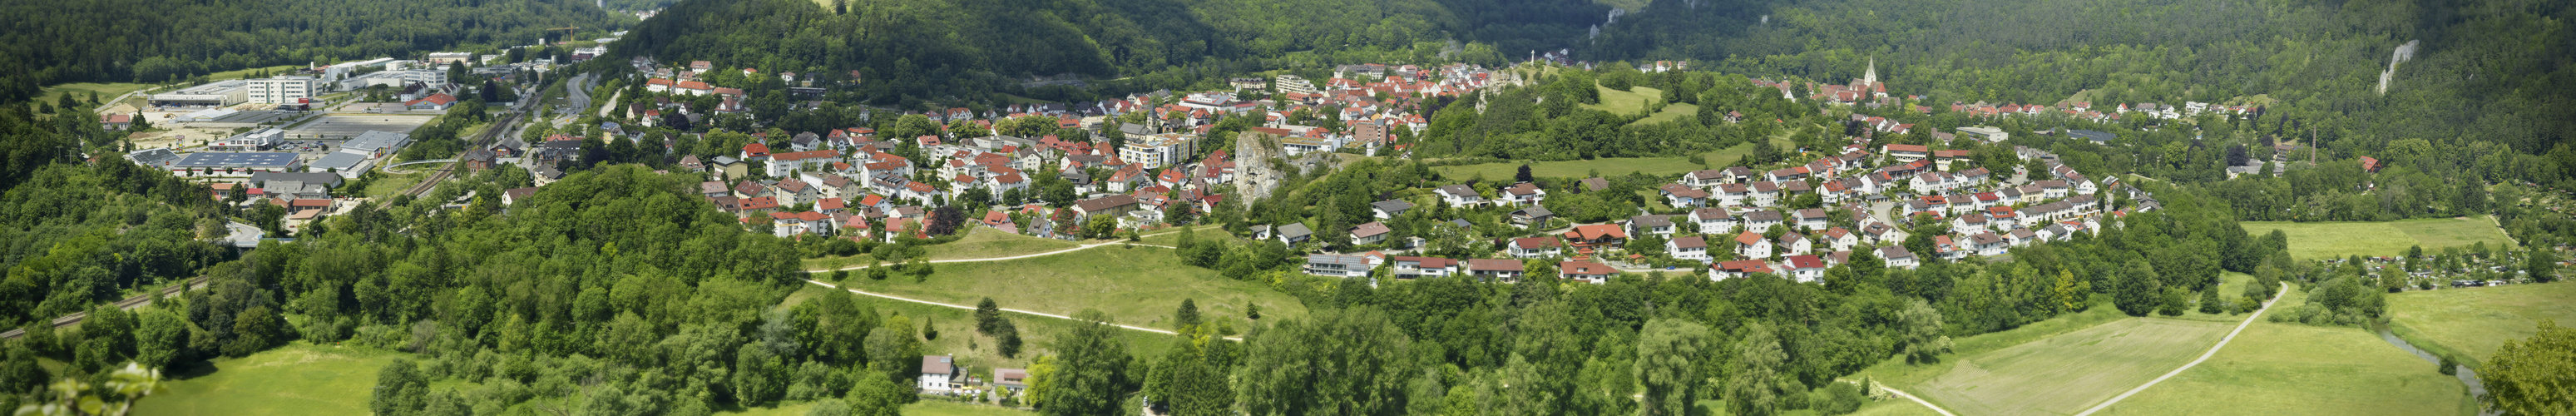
(346,126)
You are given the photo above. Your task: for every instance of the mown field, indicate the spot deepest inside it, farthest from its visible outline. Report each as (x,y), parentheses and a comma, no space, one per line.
(1136,285)
(2067,373)
(957,335)
(2295,369)
(2313,240)
(107,92)
(2475,321)
(298,379)
(978,243)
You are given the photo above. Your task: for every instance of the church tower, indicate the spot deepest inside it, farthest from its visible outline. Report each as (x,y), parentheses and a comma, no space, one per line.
(1872,76)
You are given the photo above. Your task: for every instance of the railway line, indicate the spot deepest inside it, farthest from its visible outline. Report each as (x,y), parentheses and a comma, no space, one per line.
(131,303)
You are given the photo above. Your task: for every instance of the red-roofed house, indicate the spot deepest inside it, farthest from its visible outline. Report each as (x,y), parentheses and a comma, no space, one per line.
(1584,271)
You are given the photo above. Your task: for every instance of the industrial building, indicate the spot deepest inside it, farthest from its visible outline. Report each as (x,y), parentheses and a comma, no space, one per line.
(450,57)
(261,139)
(212,94)
(395,79)
(375,144)
(284,89)
(234,164)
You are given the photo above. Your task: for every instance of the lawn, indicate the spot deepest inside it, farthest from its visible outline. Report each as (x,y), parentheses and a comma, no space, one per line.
(1136,285)
(1895,372)
(2313,240)
(2294,369)
(389,184)
(2067,373)
(978,243)
(1626,102)
(298,379)
(1603,166)
(2475,321)
(1168,237)
(1670,113)
(107,92)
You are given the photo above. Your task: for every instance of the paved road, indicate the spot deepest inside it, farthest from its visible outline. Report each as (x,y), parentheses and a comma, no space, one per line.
(1024,312)
(1917,400)
(2204,356)
(611,103)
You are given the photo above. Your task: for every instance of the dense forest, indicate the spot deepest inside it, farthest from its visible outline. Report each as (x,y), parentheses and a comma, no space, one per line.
(933,49)
(161,40)
(2482,72)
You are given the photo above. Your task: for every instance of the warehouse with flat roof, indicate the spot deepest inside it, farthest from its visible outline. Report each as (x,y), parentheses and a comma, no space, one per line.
(234,164)
(212,94)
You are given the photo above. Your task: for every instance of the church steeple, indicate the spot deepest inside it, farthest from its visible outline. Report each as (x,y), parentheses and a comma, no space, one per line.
(1872,76)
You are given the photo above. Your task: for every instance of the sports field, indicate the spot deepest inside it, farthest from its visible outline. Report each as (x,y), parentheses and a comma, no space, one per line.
(2313,240)
(2475,321)
(2067,373)
(298,379)
(1136,285)
(2294,369)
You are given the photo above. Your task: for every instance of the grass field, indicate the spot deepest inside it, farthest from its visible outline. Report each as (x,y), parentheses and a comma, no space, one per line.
(2294,369)
(1204,233)
(298,379)
(2475,321)
(957,335)
(2065,374)
(1136,285)
(1626,102)
(2232,286)
(1894,407)
(1895,372)
(1670,113)
(2313,240)
(921,408)
(1605,166)
(978,243)
(106,91)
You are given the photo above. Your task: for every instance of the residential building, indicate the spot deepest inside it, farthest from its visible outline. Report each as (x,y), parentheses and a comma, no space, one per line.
(1336,265)
(1495,270)
(938,374)
(1534,247)
(1687,248)
(1585,271)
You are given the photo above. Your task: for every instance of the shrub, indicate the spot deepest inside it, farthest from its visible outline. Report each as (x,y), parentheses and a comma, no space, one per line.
(1838,398)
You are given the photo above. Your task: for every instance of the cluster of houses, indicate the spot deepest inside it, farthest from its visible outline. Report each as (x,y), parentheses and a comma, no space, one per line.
(846,182)
(1733,210)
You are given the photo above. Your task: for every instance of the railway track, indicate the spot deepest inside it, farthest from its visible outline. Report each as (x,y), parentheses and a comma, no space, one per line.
(131,303)
(482,139)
